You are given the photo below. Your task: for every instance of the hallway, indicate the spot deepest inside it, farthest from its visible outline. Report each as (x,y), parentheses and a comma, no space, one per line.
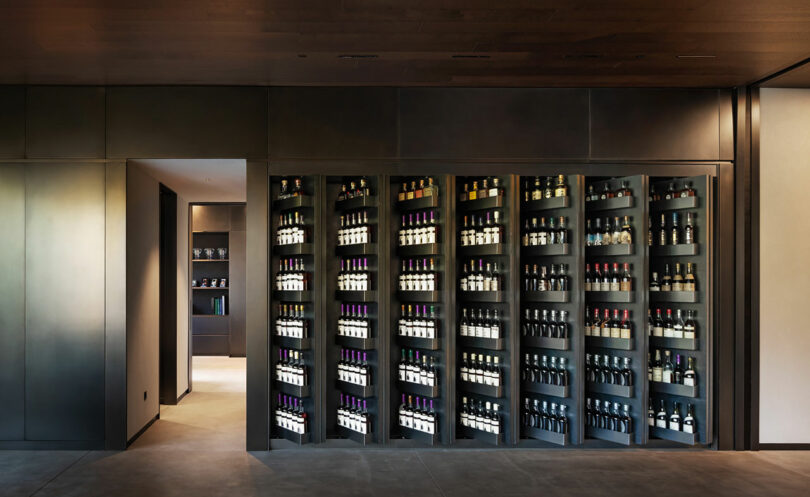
(197,448)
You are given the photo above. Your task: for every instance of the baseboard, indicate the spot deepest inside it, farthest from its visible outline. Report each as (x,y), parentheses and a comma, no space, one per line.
(51,444)
(143,430)
(182,396)
(800,446)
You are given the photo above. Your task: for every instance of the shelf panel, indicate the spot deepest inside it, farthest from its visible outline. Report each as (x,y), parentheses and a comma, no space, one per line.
(210,260)
(674,436)
(297,438)
(559,297)
(610,250)
(404,296)
(419,203)
(290,389)
(610,204)
(419,343)
(356,343)
(490,249)
(546,436)
(223,288)
(545,389)
(610,389)
(547,343)
(675,204)
(482,436)
(674,389)
(481,343)
(418,389)
(675,343)
(682,249)
(544,250)
(292,343)
(480,204)
(481,389)
(351,296)
(544,204)
(609,435)
(361,391)
(419,436)
(294,249)
(293,202)
(680,297)
(357,249)
(356,203)
(421,249)
(617,297)
(209,315)
(610,343)
(292,296)
(494,297)
(358,437)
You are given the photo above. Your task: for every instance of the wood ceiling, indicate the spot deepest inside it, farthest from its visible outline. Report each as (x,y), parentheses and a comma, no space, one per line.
(413,42)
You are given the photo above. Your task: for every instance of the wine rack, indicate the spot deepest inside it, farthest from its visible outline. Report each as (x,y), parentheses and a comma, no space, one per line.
(484,204)
(693,203)
(616,206)
(301,303)
(537,338)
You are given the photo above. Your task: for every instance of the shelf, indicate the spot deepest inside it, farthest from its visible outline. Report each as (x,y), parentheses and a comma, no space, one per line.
(358,437)
(674,436)
(421,249)
(482,436)
(675,250)
(292,296)
(481,343)
(351,296)
(674,389)
(610,389)
(223,288)
(297,438)
(418,389)
(292,343)
(404,296)
(419,343)
(618,297)
(674,343)
(685,297)
(544,204)
(293,249)
(546,436)
(547,343)
(357,249)
(494,297)
(419,203)
(610,204)
(361,391)
(419,436)
(489,249)
(356,343)
(481,203)
(560,297)
(210,260)
(299,391)
(610,343)
(209,315)
(545,389)
(293,202)
(544,250)
(609,250)
(356,203)
(609,435)
(674,204)
(481,389)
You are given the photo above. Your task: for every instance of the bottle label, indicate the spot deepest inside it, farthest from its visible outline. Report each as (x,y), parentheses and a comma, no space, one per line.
(674,425)
(661,423)
(690,381)
(688,428)
(625,334)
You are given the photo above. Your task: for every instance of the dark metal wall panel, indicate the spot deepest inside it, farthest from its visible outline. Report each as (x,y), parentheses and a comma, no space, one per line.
(333,122)
(467,123)
(12,122)
(236,246)
(654,124)
(12,302)
(65,122)
(177,122)
(65,301)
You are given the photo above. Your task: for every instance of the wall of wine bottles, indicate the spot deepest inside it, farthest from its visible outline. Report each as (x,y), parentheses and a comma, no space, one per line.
(412,310)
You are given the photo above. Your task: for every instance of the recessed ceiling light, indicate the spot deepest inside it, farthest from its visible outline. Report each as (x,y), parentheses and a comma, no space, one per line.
(358,56)
(696,56)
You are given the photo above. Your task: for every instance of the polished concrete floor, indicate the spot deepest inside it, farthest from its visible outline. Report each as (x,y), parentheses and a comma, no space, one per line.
(196,449)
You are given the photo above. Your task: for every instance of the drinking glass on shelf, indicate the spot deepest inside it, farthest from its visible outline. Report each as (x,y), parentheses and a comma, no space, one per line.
(197,253)
(209,253)
(223,253)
